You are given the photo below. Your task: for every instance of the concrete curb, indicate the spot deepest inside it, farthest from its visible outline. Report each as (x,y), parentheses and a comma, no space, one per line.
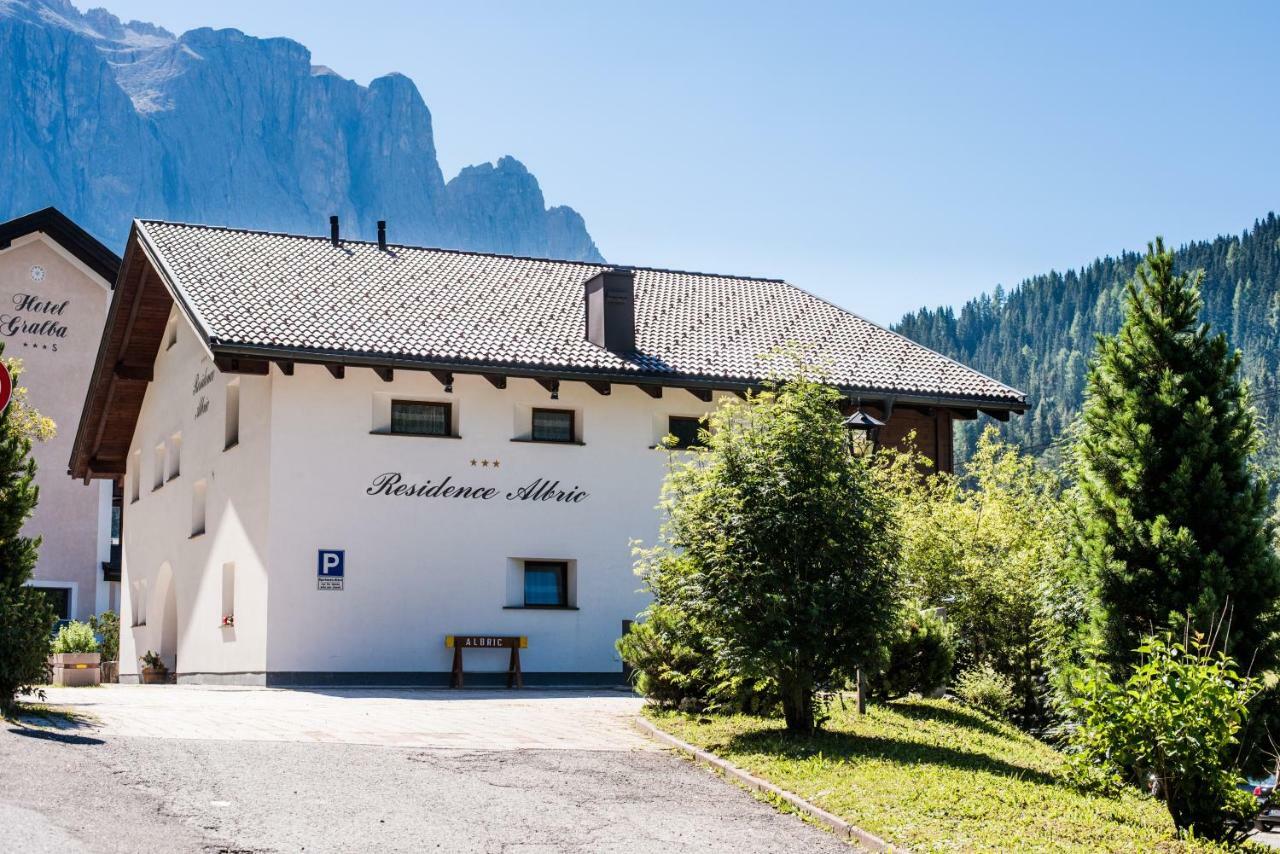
(834,823)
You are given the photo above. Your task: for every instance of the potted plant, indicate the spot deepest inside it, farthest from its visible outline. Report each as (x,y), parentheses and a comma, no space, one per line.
(107,627)
(154,671)
(75,660)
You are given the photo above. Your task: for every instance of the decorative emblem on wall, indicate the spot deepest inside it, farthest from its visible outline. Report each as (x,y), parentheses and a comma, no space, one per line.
(37,273)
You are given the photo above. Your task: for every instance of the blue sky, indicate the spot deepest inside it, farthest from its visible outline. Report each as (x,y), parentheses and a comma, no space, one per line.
(880,155)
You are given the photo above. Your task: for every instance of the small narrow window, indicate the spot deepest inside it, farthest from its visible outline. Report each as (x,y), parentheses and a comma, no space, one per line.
(198,507)
(171,332)
(135,477)
(158,481)
(546,584)
(233,414)
(228,615)
(685,430)
(175,455)
(417,418)
(552,425)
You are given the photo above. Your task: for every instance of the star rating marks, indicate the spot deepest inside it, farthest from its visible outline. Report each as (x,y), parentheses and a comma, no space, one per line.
(486,463)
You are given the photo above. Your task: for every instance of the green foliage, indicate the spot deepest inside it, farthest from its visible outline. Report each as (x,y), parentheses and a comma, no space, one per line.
(919,656)
(26,619)
(1171,728)
(1173,523)
(1040,336)
(75,637)
(152,660)
(777,554)
(932,775)
(989,547)
(985,688)
(107,624)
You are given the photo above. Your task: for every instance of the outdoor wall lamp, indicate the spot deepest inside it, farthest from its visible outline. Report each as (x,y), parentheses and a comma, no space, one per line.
(864,432)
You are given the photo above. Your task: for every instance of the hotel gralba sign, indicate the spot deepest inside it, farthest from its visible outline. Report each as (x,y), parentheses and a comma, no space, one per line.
(541,490)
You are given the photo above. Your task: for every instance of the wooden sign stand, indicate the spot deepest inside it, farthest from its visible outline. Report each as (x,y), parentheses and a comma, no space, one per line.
(514,643)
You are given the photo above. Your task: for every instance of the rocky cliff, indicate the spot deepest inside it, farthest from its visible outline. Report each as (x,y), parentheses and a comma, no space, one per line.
(111,121)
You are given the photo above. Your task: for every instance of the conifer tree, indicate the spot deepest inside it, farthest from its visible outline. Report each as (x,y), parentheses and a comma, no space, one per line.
(1173,522)
(26,617)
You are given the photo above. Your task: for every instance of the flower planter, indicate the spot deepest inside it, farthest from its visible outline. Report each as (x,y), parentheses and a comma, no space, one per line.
(154,676)
(75,669)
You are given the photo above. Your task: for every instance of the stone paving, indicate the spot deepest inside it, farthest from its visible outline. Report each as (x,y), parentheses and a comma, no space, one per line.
(470,719)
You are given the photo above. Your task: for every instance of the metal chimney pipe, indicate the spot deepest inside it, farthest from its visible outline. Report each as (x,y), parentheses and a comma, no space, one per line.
(382,235)
(333,229)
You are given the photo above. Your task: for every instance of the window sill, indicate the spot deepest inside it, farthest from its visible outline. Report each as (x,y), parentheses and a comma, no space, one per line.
(549,442)
(540,607)
(414,435)
(196,536)
(234,444)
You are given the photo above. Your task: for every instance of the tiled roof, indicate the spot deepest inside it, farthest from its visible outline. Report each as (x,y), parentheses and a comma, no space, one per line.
(264,290)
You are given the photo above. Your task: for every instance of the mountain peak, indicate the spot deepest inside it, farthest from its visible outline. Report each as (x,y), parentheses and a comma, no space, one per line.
(115,120)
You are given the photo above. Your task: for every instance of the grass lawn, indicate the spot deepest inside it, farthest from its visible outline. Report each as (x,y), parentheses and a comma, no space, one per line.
(933,775)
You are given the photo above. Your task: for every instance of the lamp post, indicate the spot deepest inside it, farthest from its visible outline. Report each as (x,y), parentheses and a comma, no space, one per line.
(864,439)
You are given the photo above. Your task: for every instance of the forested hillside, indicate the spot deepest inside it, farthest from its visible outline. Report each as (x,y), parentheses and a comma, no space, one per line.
(1039,336)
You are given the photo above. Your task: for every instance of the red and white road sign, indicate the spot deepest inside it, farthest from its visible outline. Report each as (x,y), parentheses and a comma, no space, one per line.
(6,386)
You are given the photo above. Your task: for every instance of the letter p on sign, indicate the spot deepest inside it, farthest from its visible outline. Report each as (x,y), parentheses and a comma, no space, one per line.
(330,568)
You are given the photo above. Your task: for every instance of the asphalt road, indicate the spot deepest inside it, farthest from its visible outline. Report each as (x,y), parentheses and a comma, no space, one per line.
(78,792)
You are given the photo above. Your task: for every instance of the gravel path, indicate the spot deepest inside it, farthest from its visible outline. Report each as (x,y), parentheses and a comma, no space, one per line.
(77,791)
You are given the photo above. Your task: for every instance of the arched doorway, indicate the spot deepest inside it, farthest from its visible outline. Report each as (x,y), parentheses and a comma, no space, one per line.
(167,632)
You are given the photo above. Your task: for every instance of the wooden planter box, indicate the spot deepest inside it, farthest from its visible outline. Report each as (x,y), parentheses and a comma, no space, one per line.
(75,669)
(154,676)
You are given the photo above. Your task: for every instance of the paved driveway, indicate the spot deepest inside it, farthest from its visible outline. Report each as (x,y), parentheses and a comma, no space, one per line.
(184,768)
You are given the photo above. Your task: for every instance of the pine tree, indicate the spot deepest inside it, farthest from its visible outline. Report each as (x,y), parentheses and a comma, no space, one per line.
(26,618)
(1173,521)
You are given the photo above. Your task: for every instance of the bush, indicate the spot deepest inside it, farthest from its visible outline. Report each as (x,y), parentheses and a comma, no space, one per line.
(107,624)
(26,619)
(75,637)
(919,657)
(1170,729)
(983,687)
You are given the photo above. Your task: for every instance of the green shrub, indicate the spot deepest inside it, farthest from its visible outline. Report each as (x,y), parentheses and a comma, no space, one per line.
(983,687)
(26,618)
(107,624)
(1171,729)
(919,657)
(75,637)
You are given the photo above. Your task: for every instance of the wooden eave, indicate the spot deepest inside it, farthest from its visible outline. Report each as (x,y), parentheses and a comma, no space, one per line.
(136,319)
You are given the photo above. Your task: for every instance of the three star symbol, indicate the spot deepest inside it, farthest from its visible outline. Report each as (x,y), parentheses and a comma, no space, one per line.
(486,463)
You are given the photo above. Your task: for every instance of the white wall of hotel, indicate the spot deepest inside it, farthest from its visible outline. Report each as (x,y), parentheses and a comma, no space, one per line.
(417,568)
(52,307)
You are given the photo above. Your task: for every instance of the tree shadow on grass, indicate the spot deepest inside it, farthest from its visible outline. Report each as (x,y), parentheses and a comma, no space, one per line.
(947,714)
(851,747)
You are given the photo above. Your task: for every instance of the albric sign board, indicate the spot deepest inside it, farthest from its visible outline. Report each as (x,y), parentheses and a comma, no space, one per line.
(330,569)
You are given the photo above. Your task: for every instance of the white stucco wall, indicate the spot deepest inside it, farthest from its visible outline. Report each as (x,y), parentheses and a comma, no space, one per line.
(158,548)
(52,321)
(417,568)
(420,568)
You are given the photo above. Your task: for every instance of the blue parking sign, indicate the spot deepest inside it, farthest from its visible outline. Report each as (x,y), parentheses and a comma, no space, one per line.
(330,568)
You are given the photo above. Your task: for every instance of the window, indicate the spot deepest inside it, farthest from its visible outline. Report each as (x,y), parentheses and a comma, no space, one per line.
(546,584)
(552,425)
(228,595)
(135,478)
(138,603)
(59,598)
(685,430)
(418,418)
(198,507)
(175,455)
(158,481)
(233,414)
(171,331)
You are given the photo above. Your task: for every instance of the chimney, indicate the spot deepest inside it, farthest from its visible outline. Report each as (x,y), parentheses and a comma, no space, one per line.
(611,310)
(333,229)
(382,235)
